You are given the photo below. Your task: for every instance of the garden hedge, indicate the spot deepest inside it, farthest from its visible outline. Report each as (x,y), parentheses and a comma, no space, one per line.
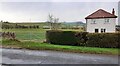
(61,37)
(109,40)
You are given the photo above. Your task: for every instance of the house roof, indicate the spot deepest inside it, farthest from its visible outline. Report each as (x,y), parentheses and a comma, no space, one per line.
(101,14)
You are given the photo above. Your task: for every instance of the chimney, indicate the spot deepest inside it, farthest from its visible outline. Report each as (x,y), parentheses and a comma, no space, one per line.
(113,11)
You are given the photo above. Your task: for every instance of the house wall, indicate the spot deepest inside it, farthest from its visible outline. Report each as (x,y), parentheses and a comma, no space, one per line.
(100,23)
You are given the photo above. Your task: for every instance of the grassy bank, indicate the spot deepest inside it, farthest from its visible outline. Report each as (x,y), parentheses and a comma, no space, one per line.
(46,46)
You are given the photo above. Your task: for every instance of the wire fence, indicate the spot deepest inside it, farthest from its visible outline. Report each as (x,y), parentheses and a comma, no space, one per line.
(39,37)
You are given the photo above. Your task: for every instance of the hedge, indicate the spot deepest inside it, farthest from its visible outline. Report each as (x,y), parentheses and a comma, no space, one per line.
(109,40)
(103,40)
(61,37)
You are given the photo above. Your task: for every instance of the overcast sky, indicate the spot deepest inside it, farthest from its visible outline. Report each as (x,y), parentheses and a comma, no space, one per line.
(38,11)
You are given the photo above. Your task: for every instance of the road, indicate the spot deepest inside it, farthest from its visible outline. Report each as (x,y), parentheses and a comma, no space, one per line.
(22,56)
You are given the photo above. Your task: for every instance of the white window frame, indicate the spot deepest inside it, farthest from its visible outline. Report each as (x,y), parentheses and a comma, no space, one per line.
(93,21)
(107,20)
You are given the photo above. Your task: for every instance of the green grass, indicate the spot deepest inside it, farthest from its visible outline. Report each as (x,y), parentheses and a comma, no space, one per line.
(28,34)
(46,46)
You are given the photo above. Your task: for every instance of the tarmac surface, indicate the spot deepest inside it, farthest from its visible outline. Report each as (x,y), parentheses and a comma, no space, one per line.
(23,56)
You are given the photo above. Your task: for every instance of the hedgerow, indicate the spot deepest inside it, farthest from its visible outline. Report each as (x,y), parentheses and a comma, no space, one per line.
(109,40)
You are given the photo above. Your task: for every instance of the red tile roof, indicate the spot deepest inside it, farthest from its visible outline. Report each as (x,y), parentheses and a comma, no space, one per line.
(101,14)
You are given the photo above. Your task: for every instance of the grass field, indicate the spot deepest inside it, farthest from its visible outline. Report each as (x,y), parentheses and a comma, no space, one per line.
(28,34)
(31,34)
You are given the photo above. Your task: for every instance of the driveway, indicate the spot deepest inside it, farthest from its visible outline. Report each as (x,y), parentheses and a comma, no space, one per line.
(22,56)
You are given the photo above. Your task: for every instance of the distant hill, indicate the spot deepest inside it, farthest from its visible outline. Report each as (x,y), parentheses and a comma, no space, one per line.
(74,23)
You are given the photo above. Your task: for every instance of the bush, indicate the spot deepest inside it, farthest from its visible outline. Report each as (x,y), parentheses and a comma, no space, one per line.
(82,36)
(61,37)
(106,40)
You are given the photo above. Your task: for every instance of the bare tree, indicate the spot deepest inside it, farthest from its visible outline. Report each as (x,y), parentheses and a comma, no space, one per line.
(53,22)
(50,20)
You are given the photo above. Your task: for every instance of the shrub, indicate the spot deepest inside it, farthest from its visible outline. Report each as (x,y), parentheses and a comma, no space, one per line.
(61,37)
(82,36)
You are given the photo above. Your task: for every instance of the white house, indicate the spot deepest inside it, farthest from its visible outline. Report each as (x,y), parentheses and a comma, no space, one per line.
(101,21)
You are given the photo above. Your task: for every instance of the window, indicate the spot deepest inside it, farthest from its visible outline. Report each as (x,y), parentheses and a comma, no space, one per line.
(96,30)
(93,21)
(106,20)
(103,30)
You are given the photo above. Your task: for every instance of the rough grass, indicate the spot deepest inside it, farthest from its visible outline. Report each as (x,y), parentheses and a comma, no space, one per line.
(46,46)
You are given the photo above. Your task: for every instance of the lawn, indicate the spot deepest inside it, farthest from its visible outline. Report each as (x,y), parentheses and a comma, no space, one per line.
(45,46)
